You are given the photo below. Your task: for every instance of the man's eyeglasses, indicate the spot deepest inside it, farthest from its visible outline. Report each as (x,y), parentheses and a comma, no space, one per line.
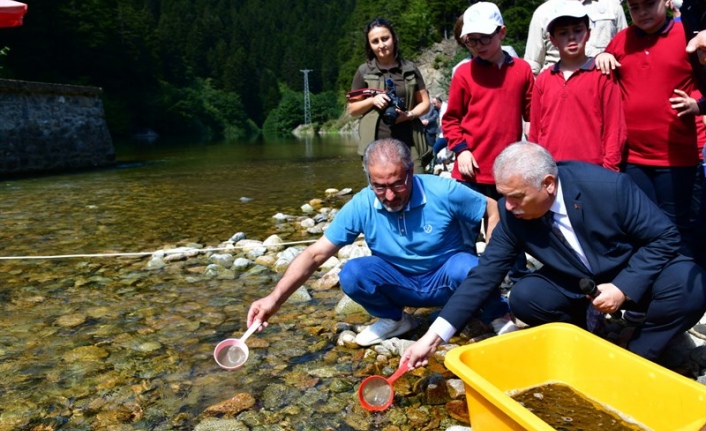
(397,187)
(471,42)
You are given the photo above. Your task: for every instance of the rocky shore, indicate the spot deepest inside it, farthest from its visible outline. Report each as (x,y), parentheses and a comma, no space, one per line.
(431,398)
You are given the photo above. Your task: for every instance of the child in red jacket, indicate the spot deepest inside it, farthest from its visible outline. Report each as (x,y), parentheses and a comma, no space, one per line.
(656,79)
(577,112)
(488,98)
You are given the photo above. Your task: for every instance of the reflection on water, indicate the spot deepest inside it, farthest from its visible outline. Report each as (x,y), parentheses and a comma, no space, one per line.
(175,194)
(87,343)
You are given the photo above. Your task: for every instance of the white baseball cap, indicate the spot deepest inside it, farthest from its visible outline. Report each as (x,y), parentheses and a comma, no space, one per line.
(483,18)
(562,8)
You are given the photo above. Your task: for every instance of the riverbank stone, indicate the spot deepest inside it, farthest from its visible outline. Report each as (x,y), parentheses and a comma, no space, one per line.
(346,307)
(232,406)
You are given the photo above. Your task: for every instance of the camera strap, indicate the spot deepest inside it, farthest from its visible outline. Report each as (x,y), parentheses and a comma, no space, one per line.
(362,93)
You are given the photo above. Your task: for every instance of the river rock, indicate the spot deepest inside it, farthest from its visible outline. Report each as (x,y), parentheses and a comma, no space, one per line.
(396,346)
(254,253)
(213,424)
(238,236)
(266,260)
(339,385)
(282,217)
(247,245)
(328,280)
(281,265)
(307,209)
(180,253)
(241,263)
(307,223)
(359,250)
(85,353)
(290,253)
(456,388)
(347,339)
(155,262)
(273,243)
(346,306)
(301,380)
(276,396)
(331,264)
(222,259)
(316,230)
(258,271)
(232,406)
(71,320)
(219,273)
(300,295)
(382,351)
(458,409)
(345,252)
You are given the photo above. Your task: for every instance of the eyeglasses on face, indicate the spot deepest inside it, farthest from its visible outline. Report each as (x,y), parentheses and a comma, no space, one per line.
(397,187)
(472,42)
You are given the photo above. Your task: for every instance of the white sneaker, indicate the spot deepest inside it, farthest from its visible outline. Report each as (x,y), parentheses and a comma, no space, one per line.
(503,325)
(384,329)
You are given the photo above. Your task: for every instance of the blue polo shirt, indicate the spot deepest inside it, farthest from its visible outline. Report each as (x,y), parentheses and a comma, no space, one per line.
(422,236)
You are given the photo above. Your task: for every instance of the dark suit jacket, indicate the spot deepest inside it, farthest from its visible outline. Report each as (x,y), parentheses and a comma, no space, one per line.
(625,236)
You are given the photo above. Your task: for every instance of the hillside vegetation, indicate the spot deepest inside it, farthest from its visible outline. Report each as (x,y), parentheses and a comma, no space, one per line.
(221,68)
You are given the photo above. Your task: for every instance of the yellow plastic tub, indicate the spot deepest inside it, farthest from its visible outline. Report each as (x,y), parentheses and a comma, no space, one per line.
(651,395)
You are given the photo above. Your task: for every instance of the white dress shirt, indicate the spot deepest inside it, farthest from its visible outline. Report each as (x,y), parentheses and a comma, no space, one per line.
(561,219)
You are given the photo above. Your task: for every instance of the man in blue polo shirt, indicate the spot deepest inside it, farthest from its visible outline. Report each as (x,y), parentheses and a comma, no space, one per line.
(421,230)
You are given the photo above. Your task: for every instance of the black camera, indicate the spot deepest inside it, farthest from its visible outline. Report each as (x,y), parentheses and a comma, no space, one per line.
(389,115)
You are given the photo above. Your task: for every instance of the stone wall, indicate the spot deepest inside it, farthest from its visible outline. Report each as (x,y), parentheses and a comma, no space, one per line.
(52,127)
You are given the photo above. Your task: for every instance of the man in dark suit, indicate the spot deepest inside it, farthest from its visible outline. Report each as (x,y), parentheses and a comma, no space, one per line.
(580,221)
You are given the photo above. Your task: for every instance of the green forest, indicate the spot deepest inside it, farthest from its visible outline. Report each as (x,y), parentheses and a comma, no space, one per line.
(228,69)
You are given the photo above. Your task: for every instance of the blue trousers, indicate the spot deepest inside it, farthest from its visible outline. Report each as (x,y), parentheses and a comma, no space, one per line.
(671,189)
(384,291)
(674,303)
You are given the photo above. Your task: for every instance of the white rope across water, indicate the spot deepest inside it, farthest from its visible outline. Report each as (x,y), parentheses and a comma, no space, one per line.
(179,250)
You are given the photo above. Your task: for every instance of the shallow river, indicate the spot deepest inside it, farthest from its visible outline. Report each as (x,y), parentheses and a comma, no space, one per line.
(95,343)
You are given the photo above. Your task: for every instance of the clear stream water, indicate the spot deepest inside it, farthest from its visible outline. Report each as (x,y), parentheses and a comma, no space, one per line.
(101,343)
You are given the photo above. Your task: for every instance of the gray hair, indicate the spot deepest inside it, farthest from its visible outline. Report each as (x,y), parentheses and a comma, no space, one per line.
(531,161)
(388,150)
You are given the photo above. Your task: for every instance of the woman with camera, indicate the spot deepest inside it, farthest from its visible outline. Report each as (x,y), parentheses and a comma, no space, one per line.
(398,95)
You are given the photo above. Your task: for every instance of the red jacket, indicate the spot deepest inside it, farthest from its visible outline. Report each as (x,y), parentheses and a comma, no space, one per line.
(485,110)
(580,118)
(653,65)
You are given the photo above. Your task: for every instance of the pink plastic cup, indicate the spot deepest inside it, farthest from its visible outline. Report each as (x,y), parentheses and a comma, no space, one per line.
(232,353)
